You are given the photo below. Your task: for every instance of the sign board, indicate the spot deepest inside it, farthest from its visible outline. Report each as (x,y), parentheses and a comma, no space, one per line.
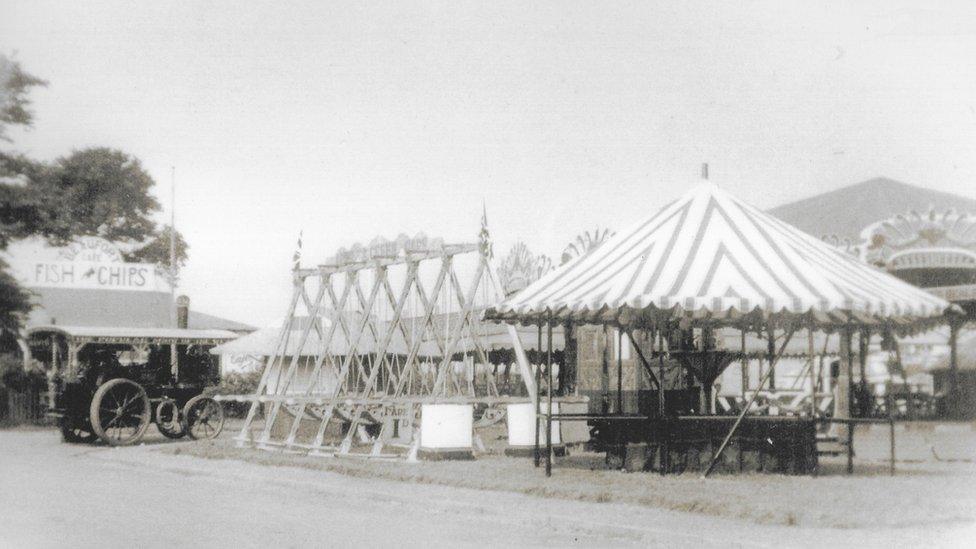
(87,263)
(91,275)
(91,248)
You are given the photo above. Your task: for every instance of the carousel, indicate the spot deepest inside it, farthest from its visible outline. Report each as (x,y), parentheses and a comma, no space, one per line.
(706,264)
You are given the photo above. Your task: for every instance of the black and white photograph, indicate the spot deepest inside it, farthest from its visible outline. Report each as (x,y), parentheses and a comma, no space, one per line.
(556,273)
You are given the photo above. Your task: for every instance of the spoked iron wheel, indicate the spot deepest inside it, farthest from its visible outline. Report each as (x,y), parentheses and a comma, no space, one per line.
(76,432)
(120,412)
(168,419)
(203,418)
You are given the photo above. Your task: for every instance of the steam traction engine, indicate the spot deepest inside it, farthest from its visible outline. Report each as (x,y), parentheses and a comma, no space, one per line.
(111,383)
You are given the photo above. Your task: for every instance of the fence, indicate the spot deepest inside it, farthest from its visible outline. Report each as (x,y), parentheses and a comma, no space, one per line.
(17,407)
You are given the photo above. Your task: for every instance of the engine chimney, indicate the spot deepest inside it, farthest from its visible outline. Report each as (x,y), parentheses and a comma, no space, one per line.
(182,312)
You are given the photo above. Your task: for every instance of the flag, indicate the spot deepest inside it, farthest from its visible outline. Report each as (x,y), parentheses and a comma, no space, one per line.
(484,237)
(297,258)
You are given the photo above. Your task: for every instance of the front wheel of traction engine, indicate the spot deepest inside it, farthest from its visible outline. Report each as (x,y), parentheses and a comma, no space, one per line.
(203,418)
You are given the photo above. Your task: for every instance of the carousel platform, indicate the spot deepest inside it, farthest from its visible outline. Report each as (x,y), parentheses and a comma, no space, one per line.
(761,444)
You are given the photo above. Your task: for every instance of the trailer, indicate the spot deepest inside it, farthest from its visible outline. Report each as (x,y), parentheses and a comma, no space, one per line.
(112,383)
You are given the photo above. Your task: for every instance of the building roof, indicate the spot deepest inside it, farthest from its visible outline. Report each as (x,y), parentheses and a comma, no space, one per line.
(203,321)
(102,334)
(90,307)
(845,212)
(711,255)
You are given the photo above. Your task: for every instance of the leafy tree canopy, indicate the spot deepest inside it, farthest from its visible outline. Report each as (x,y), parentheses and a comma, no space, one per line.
(91,192)
(99,192)
(15,84)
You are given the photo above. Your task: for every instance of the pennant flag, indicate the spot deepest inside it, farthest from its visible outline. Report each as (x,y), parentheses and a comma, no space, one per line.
(484,236)
(297,258)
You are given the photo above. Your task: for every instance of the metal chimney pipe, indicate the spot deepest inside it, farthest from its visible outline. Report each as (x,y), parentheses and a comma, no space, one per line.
(182,312)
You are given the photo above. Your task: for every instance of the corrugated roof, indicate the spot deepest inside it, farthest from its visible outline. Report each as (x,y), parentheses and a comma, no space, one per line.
(711,255)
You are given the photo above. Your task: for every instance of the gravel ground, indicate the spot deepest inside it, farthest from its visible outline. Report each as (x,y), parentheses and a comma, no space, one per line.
(56,495)
(925,492)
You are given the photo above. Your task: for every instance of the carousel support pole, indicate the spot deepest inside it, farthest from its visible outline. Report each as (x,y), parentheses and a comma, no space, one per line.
(661,338)
(620,371)
(864,393)
(770,351)
(813,374)
(744,364)
(953,408)
(891,435)
(850,449)
(742,414)
(842,402)
(549,396)
(909,401)
(605,373)
(535,397)
(664,449)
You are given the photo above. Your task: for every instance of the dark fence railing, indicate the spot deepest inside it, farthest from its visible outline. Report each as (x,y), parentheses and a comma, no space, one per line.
(18,407)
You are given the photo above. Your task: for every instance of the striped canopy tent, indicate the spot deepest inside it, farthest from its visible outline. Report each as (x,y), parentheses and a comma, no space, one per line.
(714,259)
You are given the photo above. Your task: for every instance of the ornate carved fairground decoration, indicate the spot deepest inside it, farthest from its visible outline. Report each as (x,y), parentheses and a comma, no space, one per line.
(935,250)
(521,268)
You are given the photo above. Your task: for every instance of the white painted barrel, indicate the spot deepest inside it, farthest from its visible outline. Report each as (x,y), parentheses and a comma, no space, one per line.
(446,427)
(521,430)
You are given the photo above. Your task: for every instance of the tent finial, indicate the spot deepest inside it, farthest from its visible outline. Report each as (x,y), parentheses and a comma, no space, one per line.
(705,171)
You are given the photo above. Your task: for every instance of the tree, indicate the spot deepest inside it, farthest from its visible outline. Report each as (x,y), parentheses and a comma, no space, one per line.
(14,301)
(156,250)
(15,84)
(20,209)
(100,192)
(91,192)
(23,208)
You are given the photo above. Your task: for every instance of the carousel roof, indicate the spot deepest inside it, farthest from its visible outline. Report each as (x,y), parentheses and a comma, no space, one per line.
(709,255)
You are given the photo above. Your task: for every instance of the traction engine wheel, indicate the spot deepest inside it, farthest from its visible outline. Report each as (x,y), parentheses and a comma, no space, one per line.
(120,412)
(168,419)
(203,418)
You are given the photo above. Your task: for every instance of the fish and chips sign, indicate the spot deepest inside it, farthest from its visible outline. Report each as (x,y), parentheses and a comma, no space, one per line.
(88,263)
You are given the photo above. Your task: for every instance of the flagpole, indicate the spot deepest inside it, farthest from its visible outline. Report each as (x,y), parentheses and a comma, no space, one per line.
(172,244)
(174,363)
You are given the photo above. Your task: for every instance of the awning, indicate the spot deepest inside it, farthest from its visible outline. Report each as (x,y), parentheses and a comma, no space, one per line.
(711,256)
(134,336)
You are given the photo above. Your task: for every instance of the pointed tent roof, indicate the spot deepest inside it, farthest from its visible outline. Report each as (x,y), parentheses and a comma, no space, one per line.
(711,255)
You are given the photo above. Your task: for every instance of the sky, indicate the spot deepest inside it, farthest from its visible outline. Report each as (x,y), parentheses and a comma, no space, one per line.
(350,120)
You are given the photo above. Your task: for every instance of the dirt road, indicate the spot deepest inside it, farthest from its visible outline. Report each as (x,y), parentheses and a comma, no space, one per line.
(58,495)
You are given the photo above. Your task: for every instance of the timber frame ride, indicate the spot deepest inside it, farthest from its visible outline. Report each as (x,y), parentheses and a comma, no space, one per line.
(95,396)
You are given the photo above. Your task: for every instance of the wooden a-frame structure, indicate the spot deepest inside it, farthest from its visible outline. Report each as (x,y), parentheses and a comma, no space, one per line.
(382,343)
